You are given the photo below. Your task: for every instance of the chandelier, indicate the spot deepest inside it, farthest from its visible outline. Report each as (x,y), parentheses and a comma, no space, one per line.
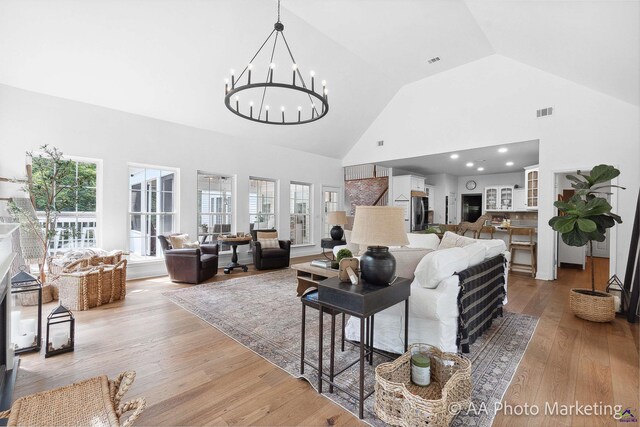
(296,87)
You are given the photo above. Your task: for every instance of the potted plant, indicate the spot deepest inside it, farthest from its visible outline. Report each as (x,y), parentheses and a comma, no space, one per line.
(342,253)
(583,219)
(53,185)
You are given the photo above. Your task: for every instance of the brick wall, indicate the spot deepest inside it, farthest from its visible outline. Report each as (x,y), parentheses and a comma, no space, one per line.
(364,192)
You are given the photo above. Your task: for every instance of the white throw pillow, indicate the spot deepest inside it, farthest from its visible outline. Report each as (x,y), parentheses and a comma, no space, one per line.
(476,253)
(407,260)
(453,240)
(494,247)
(269,243)
(178,241)
(439,264)
(423,240)
(192,245)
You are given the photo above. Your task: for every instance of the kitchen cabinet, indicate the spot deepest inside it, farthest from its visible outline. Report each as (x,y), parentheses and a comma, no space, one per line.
(531,186)
(519,200)
(417,183)
(498,198)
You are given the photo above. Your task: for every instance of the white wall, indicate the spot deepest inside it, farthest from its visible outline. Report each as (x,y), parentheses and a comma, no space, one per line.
(28,120)
(494,101)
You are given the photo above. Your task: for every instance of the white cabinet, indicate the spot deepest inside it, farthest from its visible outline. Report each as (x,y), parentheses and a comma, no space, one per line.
(531,186)
(430,190)
(519,200)
(417,183)
(499,198)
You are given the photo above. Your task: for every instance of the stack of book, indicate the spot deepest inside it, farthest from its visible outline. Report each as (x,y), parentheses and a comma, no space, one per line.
(322,263)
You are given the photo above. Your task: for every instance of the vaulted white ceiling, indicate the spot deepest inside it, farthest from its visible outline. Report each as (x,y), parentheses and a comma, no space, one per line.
(168,59)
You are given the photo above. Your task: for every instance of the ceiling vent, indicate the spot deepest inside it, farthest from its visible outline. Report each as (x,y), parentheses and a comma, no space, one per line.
(433,60)
(544,112)
(380,143)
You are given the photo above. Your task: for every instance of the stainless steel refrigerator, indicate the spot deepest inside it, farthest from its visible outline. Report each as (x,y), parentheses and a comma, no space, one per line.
(419,208)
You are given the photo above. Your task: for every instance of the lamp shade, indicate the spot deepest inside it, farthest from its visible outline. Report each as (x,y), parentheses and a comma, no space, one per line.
(337,218)
(379,226)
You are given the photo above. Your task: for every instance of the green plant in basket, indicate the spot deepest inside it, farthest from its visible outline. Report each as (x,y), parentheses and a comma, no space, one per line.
(585,218)
(343,253)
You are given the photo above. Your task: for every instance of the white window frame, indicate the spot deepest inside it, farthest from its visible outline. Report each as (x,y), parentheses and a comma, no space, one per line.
(98,187)
(310,214)
(275,200)
(326,228)
(234,202)
(175,212)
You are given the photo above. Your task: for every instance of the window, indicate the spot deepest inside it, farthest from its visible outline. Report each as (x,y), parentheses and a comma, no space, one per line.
(153,199)
(215,202)
(331,203)
(262,203)
(77,223)
(300,213)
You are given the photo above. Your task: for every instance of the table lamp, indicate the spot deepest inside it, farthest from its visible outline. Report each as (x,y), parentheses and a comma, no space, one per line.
(337,218)
(378,227)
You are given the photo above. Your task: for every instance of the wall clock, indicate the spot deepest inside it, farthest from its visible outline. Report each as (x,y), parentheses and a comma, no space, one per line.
(471,185)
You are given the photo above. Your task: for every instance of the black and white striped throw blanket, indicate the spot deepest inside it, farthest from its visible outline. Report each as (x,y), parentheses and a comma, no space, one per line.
(480,299)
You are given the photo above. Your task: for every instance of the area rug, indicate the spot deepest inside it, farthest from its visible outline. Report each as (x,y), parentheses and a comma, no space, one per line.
(263,313)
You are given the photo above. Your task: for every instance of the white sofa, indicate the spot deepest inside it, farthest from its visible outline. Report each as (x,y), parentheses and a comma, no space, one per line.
(433,313)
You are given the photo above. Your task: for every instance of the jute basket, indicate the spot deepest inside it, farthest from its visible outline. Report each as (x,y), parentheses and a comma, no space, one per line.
(95,401)
(595,308)
(399,402)
(84,285)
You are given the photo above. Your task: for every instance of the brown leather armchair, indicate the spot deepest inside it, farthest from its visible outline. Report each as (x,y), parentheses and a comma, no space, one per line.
(269,258)
(192,265)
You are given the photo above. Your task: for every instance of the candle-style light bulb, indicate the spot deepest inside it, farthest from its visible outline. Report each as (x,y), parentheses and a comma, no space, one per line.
(249,67)
(295,68)
(233,79)
(324,83)
(272,67)
(237,103)
(282,109)
(226,86)
(266,111)
(299,112)
(313,78)
(251,109)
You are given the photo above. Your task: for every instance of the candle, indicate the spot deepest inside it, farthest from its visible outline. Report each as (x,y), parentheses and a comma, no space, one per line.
(226,86)
(271,67)
(26,340)
(282,109)
(237,103)
(251,109)
(299,112)
(616,303)
(266,112)
(313,73)
(27,325)
(233,79)
(420,369)
(59,340)
(15,325)
(249,75)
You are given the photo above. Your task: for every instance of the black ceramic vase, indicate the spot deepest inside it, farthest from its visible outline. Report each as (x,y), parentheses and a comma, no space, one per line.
(337,232)
(377,265)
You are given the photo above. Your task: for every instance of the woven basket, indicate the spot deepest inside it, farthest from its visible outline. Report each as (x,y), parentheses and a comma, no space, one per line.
(399,402)
(95,401)
(596,308)
(84,285)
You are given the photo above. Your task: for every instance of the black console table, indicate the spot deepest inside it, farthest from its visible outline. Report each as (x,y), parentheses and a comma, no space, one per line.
(363,301)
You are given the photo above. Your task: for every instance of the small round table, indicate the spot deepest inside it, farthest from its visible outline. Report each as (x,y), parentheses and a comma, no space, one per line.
(234,242)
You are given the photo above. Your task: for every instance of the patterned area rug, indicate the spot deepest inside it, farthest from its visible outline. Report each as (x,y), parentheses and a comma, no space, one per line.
(263,313)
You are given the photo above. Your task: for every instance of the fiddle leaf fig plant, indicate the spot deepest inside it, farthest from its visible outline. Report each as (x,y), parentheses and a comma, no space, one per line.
(586,216)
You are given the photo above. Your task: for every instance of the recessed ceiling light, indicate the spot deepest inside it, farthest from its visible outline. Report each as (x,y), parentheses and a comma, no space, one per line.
(454,156)
(502,150)
(509,163)
(469,164)
(480,169)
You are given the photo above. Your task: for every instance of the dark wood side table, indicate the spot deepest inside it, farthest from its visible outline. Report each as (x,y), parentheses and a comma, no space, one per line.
(329,243)
(362,301)
(234,242)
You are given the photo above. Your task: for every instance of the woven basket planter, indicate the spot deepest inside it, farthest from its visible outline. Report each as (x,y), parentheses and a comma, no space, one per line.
(595,308)
(399,402)
(84,285)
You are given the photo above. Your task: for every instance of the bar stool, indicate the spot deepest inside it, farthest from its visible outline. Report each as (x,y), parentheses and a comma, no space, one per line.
(523,245)
(487,229)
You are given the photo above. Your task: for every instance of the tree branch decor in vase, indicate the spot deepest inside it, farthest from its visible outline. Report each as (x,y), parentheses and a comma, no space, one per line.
(53,184)
(583,219)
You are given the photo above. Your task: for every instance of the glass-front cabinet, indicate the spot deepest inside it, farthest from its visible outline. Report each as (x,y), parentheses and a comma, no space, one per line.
(491,196)
(499,198)
(531,186)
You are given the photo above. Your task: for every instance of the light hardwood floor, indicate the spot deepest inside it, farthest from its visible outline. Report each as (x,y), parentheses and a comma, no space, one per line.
(192,374)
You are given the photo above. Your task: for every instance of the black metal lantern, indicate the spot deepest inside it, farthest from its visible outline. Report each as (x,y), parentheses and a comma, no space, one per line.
(26,312)
(621,298)
(60,331)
